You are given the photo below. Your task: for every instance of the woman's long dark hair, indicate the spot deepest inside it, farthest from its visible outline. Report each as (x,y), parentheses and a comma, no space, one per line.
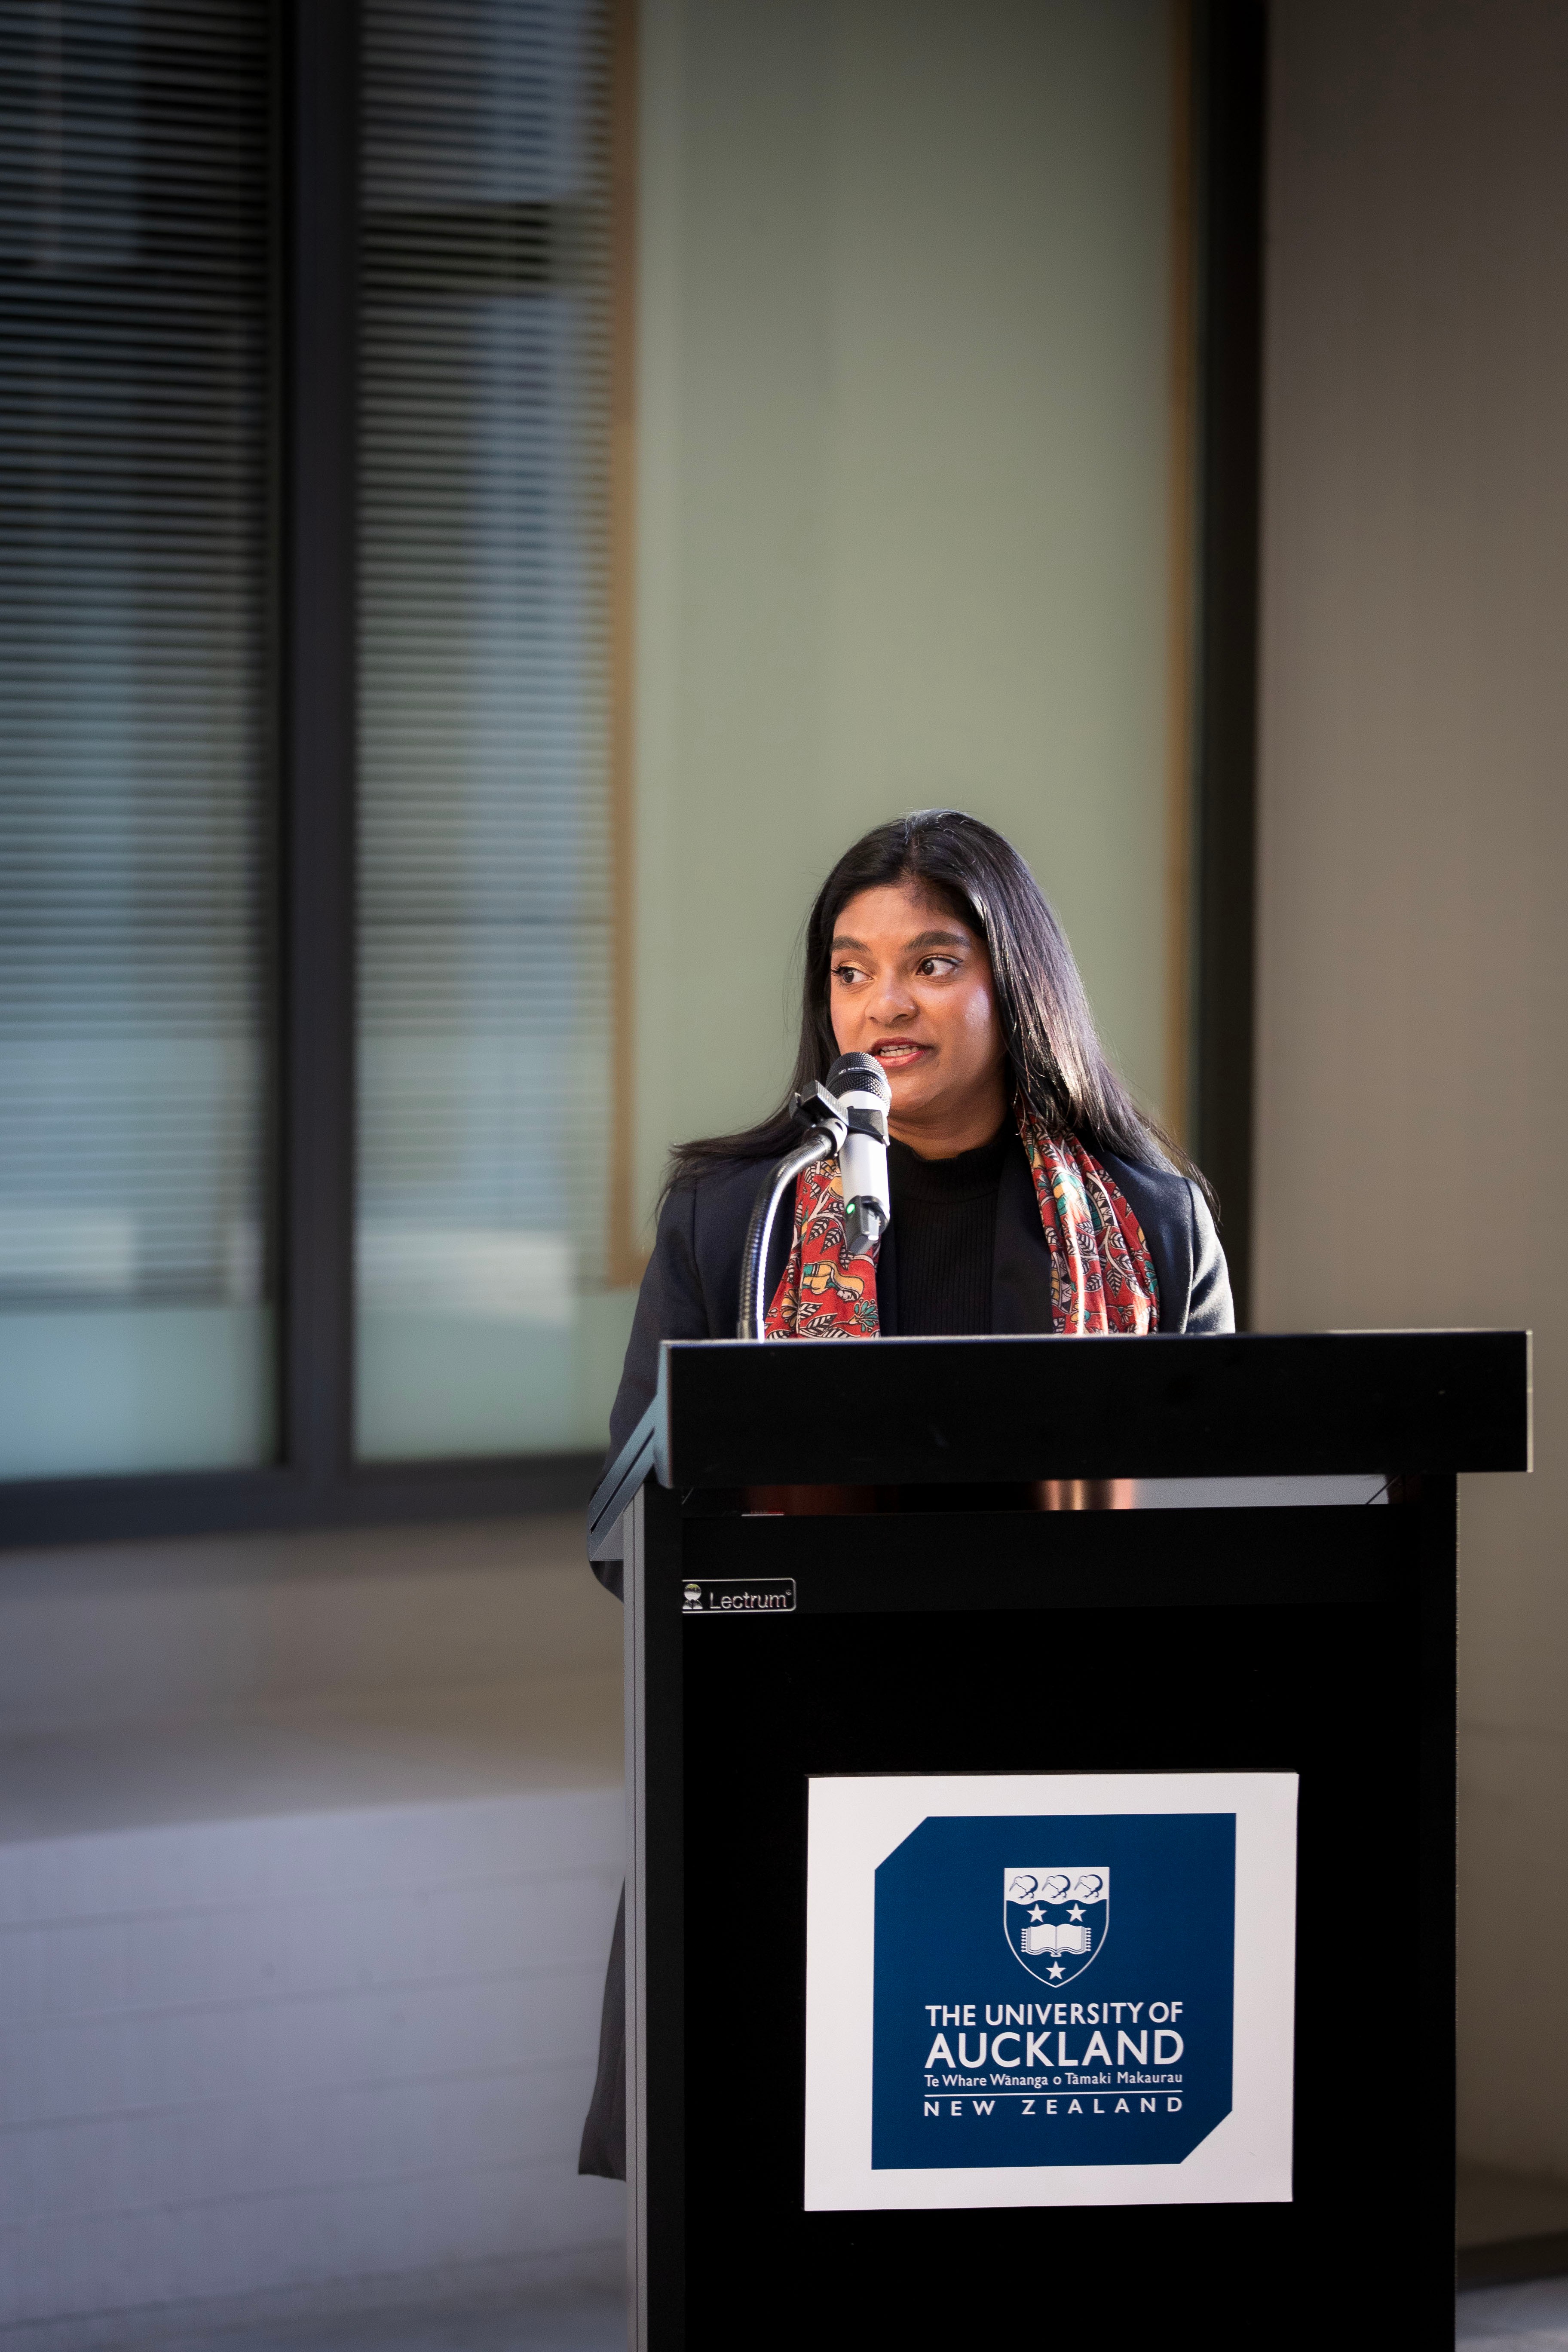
(1056,1061)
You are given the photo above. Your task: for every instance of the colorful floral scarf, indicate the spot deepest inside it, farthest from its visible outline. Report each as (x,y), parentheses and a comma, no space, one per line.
(1102,1277)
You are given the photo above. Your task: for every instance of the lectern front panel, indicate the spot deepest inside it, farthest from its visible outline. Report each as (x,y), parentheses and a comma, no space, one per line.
(890,2091)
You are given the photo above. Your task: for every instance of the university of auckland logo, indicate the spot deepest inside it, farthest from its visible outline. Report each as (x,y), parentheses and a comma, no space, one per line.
(1056,1920)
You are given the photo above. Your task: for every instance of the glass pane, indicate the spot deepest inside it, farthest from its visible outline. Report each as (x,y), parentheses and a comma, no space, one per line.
(484,853)
(134,210)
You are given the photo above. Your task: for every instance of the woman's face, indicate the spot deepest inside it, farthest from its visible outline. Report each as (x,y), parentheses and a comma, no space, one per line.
(912,985)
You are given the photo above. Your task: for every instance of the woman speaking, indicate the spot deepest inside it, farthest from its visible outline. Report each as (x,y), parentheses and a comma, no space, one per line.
(1029,1192)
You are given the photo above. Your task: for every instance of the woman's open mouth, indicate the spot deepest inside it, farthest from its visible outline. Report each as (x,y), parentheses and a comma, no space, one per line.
(898,1053)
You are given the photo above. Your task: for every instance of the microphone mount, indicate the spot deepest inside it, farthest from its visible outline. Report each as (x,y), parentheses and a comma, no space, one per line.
(817,1108)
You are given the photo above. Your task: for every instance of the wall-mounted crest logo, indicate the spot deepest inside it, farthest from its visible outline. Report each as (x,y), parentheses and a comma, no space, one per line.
(1056,1919)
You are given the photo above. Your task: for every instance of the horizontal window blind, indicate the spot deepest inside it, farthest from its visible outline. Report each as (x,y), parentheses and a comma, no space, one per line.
(135,256)
(484,993)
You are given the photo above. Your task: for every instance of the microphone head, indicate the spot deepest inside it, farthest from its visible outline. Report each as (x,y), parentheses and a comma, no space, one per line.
(860,1074)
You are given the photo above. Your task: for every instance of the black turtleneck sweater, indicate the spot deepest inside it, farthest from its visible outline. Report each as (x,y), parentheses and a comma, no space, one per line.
(944,1229)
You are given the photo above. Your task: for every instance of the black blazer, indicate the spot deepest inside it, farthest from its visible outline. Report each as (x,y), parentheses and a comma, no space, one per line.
(692,1288)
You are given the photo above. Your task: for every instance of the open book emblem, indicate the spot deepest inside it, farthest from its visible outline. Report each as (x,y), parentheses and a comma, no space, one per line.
(1056,1918)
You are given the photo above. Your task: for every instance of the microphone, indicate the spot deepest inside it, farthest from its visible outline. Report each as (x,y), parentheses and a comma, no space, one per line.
(860,1084)
(849,1115)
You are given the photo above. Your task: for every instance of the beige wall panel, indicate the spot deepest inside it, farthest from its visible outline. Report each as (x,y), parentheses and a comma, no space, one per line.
(903,489)
(1412,1120)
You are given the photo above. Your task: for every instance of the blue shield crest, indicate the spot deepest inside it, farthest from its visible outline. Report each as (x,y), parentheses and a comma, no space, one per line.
(1056,1918)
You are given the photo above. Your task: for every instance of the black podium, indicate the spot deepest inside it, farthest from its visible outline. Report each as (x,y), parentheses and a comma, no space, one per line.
(1040,1899)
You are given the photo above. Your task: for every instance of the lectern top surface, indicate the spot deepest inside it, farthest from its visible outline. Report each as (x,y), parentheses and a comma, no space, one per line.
(731,1413)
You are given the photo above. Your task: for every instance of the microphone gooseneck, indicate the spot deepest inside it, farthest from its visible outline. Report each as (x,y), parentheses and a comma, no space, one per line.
(759,1233)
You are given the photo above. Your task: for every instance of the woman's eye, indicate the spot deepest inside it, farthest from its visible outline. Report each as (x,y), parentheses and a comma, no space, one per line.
(932,967)
(846,975)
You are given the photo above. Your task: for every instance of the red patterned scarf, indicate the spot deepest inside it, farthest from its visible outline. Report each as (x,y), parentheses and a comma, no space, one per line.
(1102,1277)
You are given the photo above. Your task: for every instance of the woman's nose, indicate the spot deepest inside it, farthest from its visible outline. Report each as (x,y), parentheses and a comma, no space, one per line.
(892,1001)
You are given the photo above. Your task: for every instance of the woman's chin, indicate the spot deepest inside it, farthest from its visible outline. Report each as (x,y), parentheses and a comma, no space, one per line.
(915,1099)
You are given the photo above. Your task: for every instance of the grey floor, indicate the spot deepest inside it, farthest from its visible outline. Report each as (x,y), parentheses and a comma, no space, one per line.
(560,2320)
(1531,2318)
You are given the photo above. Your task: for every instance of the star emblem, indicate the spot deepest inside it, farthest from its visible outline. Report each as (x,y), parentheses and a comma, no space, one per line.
(1037,1914)
(1055,1971)
(1075,1913)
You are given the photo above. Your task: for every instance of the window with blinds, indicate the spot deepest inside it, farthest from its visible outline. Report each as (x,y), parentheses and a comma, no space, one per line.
(484,952)
(135,235)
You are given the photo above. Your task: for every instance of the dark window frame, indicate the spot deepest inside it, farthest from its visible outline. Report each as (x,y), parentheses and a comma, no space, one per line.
(316,1481)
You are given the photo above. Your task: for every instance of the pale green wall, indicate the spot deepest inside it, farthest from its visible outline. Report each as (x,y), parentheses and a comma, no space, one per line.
(903,451)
